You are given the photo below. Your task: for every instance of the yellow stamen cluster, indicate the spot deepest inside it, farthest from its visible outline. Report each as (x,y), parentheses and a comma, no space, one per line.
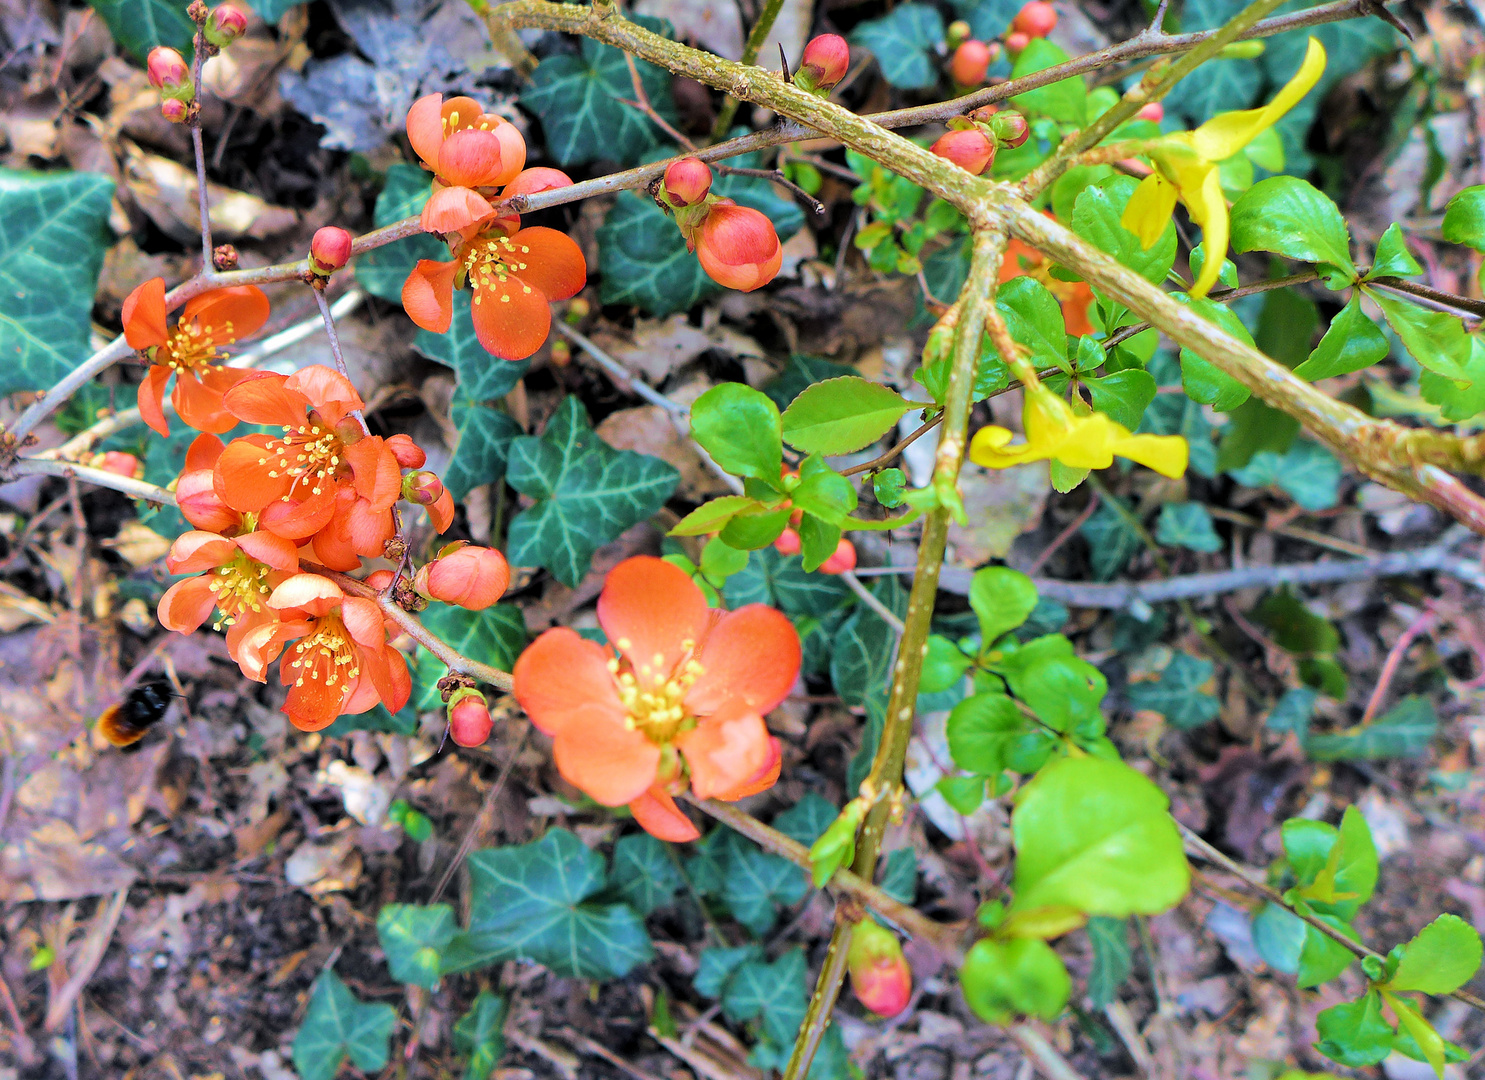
(653,697)
(240,585)
(322,655)
(308,454)
(483,122)
(194,346)
(493,261)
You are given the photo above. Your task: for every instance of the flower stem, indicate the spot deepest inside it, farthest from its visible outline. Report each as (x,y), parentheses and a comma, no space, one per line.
(199,149)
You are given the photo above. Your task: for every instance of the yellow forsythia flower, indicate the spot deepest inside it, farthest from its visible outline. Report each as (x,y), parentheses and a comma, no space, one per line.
(1055,432)
(1186,168)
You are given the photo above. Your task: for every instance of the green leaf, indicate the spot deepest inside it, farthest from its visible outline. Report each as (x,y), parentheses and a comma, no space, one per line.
(1112,542)
(1002,599)
(717,964)
(414,937)
(643,260)
(1096,218)
(578,98)
(1441,958)
(1464,218)
(482,449)
(822,493)
(1065,101)
(1322,958)
(741,429)
(1095,835)
(1355,1034)
(586,493)
(1309,473)
(1293,711)
(840,416)
(140,25)
(1109,939)
(807,820)
(482,377)
(1428,1041)
(713,515)
(383,271)
(943,665)
(758,882)
(772,994)
(643,873)
(1436,340)
(1124,395)
(1404,731)
(1034,317)
(1187,525)
(1393,259)
(479,1035)
(1279,935)
(528,902)
(338,1025)
(1293,626)
(1352,342)
(1177,695)
(1202,380)
(1024,976)
(801,372)
(900,875)
(53,233)
(1063,690)
(1289,217)
(494,636)
(985,730)
(903,42)
(780,581)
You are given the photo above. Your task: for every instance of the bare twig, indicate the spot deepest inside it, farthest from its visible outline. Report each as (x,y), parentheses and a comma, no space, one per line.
(625,379)
(1418,627)
(87,960)
(1042,1054)
(865,595)
(137,489)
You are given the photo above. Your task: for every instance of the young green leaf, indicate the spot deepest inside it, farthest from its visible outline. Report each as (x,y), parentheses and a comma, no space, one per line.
(338,1025)
(943,666)
(1435,339)
(1002,600)
(1034,317)
(840,416)
(1023,976)
(1393,259)
(713,516)
(1424,1036)
(1289,217)
(741,429)
(1355,1034)
(1124,395)
(823,492)
(1065,101)
(1096,218)
(479,1035)
(1464,218)
(1443,956)
(1202,380)
(414,937)
(1322,958)
(1351,343)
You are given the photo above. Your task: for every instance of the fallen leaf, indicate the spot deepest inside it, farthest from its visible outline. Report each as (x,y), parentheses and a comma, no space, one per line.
(166,192)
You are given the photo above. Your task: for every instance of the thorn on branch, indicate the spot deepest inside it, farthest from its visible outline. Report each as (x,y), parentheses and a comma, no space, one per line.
(784,64)
(814,205)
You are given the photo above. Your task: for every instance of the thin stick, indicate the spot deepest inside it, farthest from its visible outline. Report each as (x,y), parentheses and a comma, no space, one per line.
(487,808)
(891,455)
(1042,1054)
(137,489)
(1419,626)
(335,354)
(756,37)
(617,371)
(1065,535)
(866,597)
(199,149)
(89,956)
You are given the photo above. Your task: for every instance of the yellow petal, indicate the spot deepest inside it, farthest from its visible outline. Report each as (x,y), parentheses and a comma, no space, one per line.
(1149,209)
(1209,210)
(1227,133)
(1166,454)
(989,448)
(1090,444)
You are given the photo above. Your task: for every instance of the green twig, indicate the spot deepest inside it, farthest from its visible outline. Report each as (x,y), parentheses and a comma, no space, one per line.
(756,38)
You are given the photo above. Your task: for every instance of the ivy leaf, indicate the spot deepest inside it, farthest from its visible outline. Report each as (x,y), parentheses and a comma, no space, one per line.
(413,937)
(773,994)
(1109,939)
(482,377)
(494,636)
(1310,474)
(1279,935)
(1095,835)
(578,97)
(140,25)
(1351,343)
(807,820)
(338,1025)
(840,416)
(780,581)
(1464,218)
(755,882)
(1355,1033)
(586,493)
(53,233)
(1443,956)
(1065,101)
(479,1035)
(1289,217)
(532,902)
(1214,87)
(483,447)
(1112,542)
(1393,259)
(1124,395)
(1187,525)
(903,42)
(271,11)
(1404,731)
(714,971)
(1096,218)
(1293,711)
(644,874)
(900,875)
(643,260)
(1177,695)
(383,271)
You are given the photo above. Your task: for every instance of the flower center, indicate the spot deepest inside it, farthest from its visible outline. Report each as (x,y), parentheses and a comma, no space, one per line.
(326,656)
(493,261)
(653,697)
(308,454)
(240,585)
(194,346)
(454,122)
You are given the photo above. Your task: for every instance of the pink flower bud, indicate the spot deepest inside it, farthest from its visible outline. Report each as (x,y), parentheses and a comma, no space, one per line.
(119,463)
(1153,112)
(225,25)
(737,247)
(880,976)
(1011,128)
(408,453)
(971,150)
(423,488)
(469,576)
(330,249)
(199,503)
(842,560)
(1016,41)
(788,543)
(957,31)
(378,580)
(1036,19)
(686,182)
(825,62)
(174,110)
(971,61)
(169,73)
(469,719)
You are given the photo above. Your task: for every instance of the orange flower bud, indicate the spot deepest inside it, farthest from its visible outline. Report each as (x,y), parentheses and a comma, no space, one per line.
(423,488)
(825,62)
(119,463)
(330,249)
(1153,112)
(1011,128)
(174,111)
(972,150)
(1036,19)
(1016,41)
(880,976)
(844,558)
(686,182)
(469,576)
(469,718)
(408,453)
(788,543)
(957,31)
(378,580)
(971,61)
(169,73)
(225,25)
(737,247)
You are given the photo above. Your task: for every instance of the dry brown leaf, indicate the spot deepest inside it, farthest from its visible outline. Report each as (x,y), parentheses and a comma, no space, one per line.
(1001,504)
(649,429)
(138,544)
(166,192)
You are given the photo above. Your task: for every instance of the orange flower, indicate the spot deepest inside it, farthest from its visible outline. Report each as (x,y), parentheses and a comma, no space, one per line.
(679,697)
(1074,296)
(240,574)
(341,662)
(189,352)
(738,247)
(323,473)
(513,277)
(466,149)
(195,489)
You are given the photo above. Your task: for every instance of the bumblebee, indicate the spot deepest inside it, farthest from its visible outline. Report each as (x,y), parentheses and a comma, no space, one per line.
(126,722)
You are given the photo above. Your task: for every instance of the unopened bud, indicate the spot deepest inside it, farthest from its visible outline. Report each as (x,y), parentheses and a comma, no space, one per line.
(958,31)
(169,73)
(1010,128)
(471,577)
(177,112)
(1016,41)
(225,25)
(578,309)
(842,560)
(1153,112)
(788,543)
(408,453)
(825,62)
(469,717)
(971,61)
(423,488)
(880,976)
(686,182)
(329,250)
(224,257)
(1036,19)
(561,353)
(971,150)
(118,462)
